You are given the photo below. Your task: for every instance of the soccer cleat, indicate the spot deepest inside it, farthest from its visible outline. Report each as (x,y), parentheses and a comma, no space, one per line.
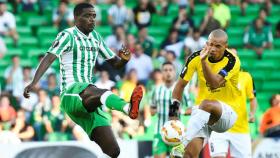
(135,100)
(177,151)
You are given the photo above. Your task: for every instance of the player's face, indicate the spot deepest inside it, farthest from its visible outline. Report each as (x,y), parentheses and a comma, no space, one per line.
(216,46)
(87,19)
(168,72)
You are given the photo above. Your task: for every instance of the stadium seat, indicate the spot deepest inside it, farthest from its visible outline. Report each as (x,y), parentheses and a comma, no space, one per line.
(14,51)
(252,9)
(235,11)
(200,9)
(28,42)
(235,31)
(36,21)
(24,31)
(274,76)
(47,31)
(104,30)
(9,42)
(27,62)
(272,86)
(273,19)
(154,31)
(34,53)
(236,42)
(46,42)
(276,43)
(243,21)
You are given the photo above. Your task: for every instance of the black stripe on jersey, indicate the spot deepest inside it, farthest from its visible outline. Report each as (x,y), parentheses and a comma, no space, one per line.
(230,64)
(254,88)
(190,58)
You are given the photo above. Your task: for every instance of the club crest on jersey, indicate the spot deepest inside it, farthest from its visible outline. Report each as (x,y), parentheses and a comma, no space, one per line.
(55,43)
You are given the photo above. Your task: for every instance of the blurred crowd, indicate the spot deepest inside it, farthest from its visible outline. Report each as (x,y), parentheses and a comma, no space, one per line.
(40,118)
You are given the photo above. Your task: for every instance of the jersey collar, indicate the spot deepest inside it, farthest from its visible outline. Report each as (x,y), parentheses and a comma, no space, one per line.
(90,36)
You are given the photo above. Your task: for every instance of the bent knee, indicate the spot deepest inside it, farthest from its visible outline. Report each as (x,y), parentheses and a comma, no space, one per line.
(209,105)
(114,152)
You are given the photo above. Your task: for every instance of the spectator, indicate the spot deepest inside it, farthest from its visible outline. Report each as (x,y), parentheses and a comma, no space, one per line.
(7,112)
(44,80)
(266,3)
(258,37)
(195,42)
(209,23)
(3,48)
(63,16)
(129,83)
(21,128)
(119,14)
(116,40)
(221,12)
(7,23)
(55,122)
(270,124)
(14,78)
(130,43)
(146,41)
(183,23)
(97,10)
(28,104)
(42,107)
(28,5)
(44,4)
(27,76)
(143,13)
(263,17)
(52,88)
(171,57)
(137,59)
(173,43)
(104,82)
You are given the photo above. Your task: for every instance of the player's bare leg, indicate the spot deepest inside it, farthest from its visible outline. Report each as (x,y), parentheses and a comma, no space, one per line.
(192,150)
(94,97)
(105,138)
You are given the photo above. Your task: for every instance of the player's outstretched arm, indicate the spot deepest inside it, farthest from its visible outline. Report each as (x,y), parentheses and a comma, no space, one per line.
(43,66)
(176,98)
(121,60)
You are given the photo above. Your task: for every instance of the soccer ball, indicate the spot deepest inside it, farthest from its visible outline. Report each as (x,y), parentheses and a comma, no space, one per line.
(172,132)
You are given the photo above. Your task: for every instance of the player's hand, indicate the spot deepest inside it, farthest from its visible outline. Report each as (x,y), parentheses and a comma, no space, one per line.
(124,53)
(204,53)
(27,89)
(252,118)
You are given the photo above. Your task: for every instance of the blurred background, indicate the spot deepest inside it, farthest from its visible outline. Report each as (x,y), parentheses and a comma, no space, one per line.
(154,30)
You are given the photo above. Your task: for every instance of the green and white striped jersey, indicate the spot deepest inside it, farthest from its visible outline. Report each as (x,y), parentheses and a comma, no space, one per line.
(77,55)
(161,99)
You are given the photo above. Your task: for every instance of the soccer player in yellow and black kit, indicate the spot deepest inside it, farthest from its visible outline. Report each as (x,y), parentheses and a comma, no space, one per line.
(237,139)
(218,69)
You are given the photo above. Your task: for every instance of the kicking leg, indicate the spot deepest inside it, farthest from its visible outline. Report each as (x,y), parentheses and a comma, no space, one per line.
(94,97)
(208,113)
(104,137)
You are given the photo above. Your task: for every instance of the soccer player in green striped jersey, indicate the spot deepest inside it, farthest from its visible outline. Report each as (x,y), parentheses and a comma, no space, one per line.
(77,49)
(160,101)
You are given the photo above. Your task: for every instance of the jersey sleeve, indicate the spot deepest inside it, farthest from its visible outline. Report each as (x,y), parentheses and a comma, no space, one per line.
(190,67)
(250,88)
(105,52)
(153,98)
(61,44)
(231,68)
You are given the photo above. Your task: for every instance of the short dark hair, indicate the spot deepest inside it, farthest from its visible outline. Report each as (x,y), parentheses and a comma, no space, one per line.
(79,8)
(168,63)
